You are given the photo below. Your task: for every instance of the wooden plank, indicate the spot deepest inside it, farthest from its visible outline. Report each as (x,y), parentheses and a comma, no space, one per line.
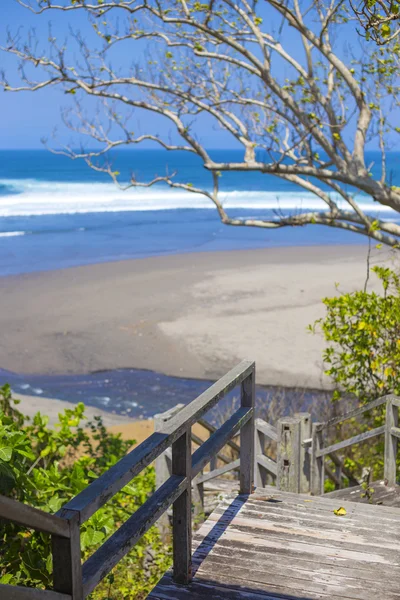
(288,562)
(267,463)
(267,429)
(288,454)
(290,583)
(218,440)
(20,513)
(351,441)
(260,474)
(395,431)
(346,472)
(247,401)
(220,455)
(13,592)
(120,543)
(203,403)
(305,458)
(232,466)
(182,511)
(392,421)
(112,481)
(212,429)
(357,411)
(67,566)
(163,467)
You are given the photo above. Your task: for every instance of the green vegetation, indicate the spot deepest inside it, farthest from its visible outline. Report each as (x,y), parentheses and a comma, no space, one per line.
(363,331)
(44,467)
(363,357)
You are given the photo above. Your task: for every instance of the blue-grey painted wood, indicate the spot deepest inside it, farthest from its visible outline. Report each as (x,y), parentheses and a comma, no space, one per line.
(247,401)
(32,517)
(119,544)
(105,487)
(14,592)
(182,510)
(218,440)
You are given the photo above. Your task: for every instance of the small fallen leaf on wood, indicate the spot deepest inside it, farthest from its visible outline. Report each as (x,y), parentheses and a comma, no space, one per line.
(340,512)
(307,500)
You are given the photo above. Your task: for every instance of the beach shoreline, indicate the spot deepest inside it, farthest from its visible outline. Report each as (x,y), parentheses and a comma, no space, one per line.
(188,315)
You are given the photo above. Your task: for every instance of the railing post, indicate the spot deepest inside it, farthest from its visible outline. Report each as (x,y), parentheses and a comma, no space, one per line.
(247,398)
(163,467)
(67,566)
(288,455)
(182,510)
(305,458)
(317,463)
(392,419)
(260,473)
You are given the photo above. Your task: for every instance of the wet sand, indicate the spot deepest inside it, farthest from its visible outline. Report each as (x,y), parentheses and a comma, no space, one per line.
(193,315)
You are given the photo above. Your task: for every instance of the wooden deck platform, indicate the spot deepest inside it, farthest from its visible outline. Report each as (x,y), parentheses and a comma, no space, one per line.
(276,545)
(383,494)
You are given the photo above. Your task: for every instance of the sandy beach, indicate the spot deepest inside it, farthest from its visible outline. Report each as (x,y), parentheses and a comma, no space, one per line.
(193,315)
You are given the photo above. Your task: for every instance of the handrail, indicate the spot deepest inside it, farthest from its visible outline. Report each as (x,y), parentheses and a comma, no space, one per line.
(358,411)
(72,581)
(390,429)
(20,513)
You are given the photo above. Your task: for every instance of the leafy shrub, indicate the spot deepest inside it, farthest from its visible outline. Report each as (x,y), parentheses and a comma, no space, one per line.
(364,331)
(363,358)
(45,467)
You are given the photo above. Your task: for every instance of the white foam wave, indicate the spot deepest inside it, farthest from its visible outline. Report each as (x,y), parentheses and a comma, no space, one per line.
(31,197)
(6,234)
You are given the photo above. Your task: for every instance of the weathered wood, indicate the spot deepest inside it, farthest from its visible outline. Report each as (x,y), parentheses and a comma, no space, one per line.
(267,429)
(247,401)
(260,474)
(121,542)
(218,440)
(304,552)
(317,460)
(13,592)
(32,517)
(212,429)
(345,471)
(67,566)
(351,441)
(182,510)
(191,413)
(392,420)
(288,454)
(383,494)
(232,466)
(198,498)
(359,411)
(305,458)
(395,431)
(223,457)
(112,481)
(267,463)
(163,466)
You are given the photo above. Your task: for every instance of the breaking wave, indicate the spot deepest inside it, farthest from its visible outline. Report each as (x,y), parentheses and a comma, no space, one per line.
(32,197)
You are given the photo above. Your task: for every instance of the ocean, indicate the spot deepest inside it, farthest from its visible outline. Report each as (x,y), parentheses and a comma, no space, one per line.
(56,213)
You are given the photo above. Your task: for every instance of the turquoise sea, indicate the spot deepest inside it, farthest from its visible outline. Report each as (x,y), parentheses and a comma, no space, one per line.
(56,213)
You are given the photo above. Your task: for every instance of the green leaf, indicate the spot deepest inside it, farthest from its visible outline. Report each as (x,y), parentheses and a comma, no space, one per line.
(91,537)
(5,453)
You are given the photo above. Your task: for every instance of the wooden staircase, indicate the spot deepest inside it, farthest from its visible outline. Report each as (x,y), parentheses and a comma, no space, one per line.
(275,545)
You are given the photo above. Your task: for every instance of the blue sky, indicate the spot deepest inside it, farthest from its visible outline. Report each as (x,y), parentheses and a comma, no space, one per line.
(27,117)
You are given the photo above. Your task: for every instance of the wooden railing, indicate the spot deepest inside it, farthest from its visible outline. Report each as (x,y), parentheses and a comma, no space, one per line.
(390,429)
(74,581)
